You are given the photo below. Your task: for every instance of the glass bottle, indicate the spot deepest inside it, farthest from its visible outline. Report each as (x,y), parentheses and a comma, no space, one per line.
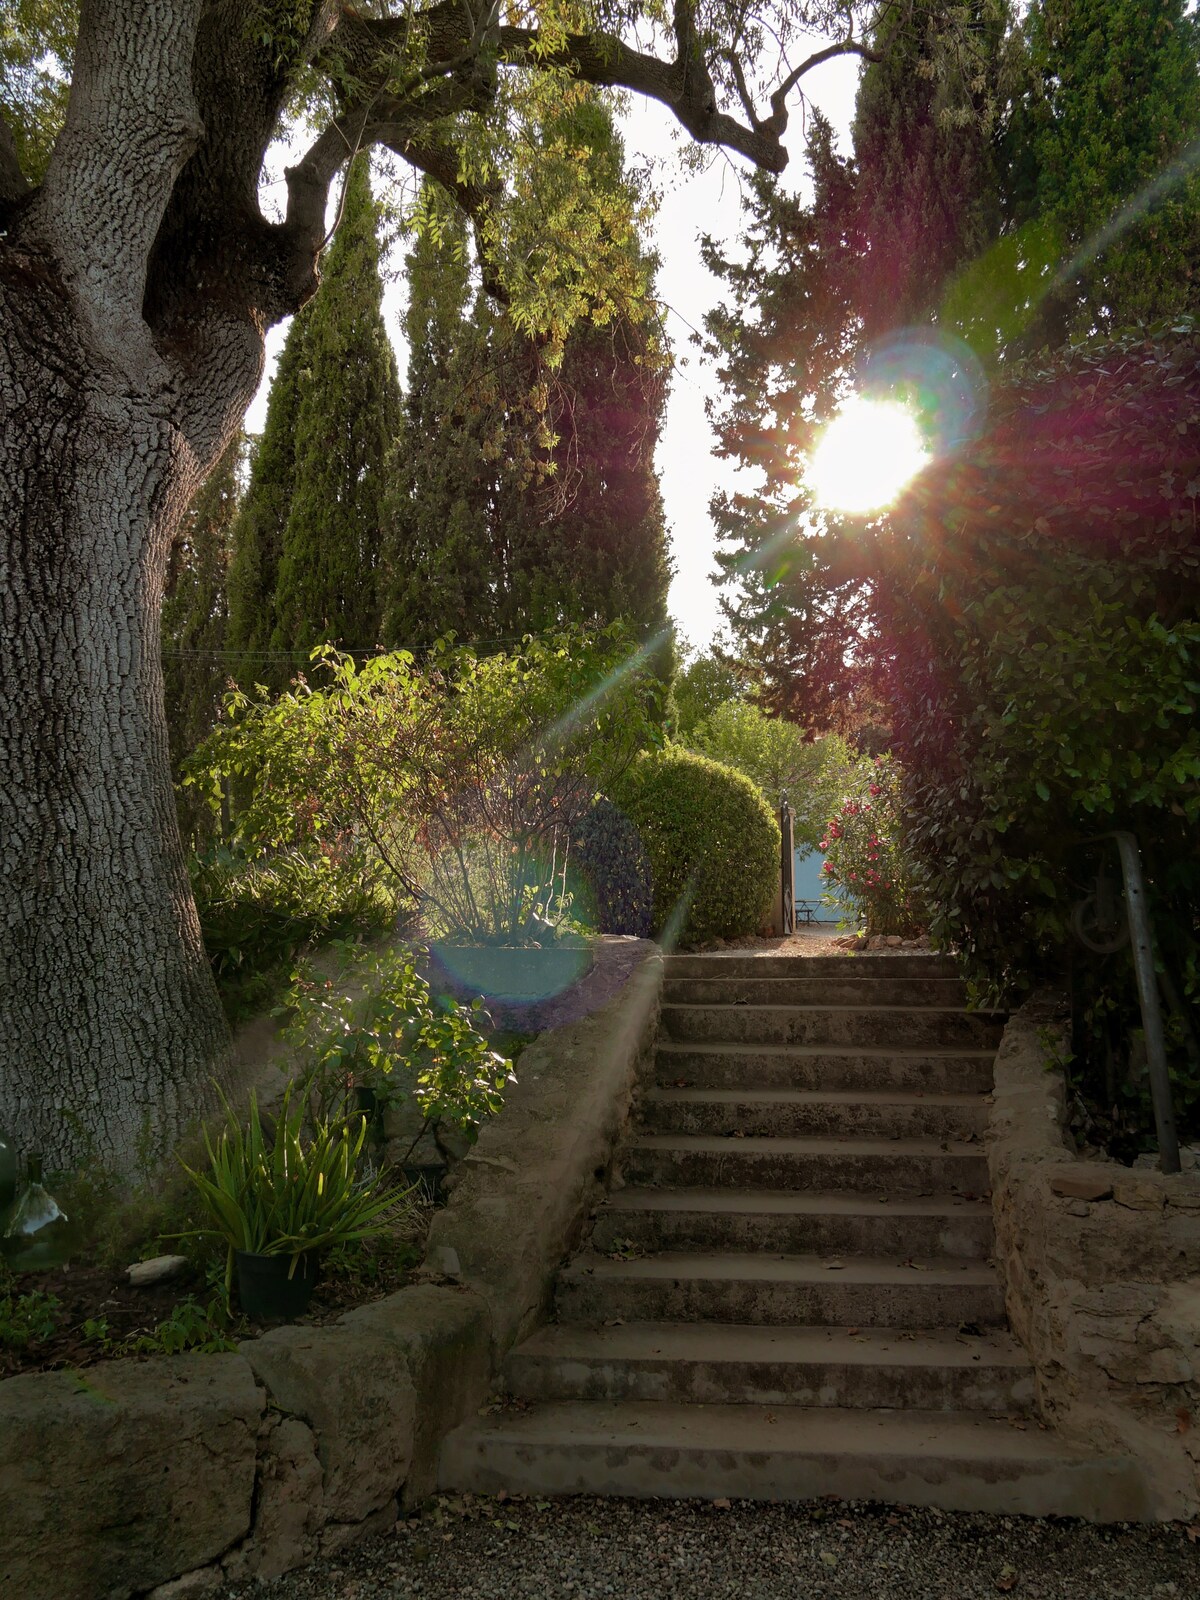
(37,1232)
(8,1174)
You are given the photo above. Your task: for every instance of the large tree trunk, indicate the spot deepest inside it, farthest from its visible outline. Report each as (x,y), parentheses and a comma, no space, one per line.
(110,1027)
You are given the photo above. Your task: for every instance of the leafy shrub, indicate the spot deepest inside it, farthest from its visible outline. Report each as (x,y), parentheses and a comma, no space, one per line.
(381,1026)
(866,857)
(609,858)
(776,755)
(712,842)
(257,915)
(465,778)
(1041,623)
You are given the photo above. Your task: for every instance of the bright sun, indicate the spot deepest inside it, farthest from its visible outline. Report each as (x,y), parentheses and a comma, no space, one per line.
(869,452)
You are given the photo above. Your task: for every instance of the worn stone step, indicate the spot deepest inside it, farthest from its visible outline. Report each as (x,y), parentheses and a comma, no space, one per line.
(795,1113)
(876,1166)
(801,990)
(753,1066)
(734,964)
(793,1222)
(734,1364)
(863,1291)
(792,1453)
(902,1027)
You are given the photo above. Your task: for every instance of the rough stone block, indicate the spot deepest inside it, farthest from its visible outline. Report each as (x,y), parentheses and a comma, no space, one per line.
(289,1507)
(351,1386)
(1139,1194)
(444,1335)
(1082,1185)
(125,1476)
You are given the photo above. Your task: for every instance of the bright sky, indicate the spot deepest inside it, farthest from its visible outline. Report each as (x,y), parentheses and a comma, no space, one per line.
(705,202)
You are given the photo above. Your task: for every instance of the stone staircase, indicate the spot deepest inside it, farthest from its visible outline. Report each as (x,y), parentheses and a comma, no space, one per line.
(788,1292)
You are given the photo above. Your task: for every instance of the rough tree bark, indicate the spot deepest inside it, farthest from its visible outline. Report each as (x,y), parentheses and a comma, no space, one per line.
(137,282)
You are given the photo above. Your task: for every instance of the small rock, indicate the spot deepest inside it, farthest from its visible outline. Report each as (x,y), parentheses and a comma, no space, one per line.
(1082,1186)
(197,1585)
(893,941)
(1079,1208)
(159,1269)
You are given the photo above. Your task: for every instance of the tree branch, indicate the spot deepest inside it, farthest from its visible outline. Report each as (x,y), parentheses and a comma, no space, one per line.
(777,122)
(604,60)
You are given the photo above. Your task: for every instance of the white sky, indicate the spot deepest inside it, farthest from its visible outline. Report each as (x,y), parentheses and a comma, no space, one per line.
(704,202)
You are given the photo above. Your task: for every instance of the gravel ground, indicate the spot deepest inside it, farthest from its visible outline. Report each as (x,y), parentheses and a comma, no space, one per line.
(585,1549)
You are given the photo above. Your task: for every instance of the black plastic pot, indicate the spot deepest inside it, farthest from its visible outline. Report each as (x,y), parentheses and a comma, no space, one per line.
(267,1293)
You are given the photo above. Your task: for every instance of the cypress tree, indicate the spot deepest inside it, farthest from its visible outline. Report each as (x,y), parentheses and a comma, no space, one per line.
(439,563)
(196,608)
(346,419)
(509,514)
(1111,102)
(257,533)
(308,540)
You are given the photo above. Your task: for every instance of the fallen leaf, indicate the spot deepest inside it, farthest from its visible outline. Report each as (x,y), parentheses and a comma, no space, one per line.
(1008,1579)
(833,1266)
(1193,1532)
(851,1330)
(722,1505)
(828,1557)
(1183,1420)
(594,1528)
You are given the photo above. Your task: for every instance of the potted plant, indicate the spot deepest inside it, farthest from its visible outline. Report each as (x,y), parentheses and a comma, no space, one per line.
(279,1196)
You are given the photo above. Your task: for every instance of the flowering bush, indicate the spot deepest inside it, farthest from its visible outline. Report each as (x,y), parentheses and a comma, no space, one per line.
(865,857)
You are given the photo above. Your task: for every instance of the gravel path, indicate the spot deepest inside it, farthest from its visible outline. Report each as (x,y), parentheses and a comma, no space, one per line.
(586,1549)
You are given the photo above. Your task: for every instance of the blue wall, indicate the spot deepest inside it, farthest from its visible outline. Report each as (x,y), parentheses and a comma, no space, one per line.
(810,885)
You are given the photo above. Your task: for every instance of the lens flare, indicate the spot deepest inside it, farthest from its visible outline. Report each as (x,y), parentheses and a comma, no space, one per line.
(867,455)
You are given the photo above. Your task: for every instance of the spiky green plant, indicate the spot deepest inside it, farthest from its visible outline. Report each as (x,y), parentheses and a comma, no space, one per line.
(292,1191)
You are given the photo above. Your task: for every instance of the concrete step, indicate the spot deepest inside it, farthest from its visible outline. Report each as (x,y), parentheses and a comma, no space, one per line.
(875,1166)
(793,1222)
(901,1027)
(736,964)
(862,1292)
(791,1453)
(752,1066)
(800,990)
(796,1113)
(731,1364)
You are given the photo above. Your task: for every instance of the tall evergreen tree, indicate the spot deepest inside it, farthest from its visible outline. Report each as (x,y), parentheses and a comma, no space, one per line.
(873,250)
(308,540)
(525,497)
(196,608)
(1111,103)
(439,572)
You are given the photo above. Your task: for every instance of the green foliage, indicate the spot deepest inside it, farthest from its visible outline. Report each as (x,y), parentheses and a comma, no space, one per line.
(202,1328)
(775,755)
(524,494)
(27,1318)
(705,682)
(256,915)
(712,841)
(293,1190)
(37,46)
(1045,679)
(308,539)
(379,1025)
(464,780)
(608,856)
(867,861)
(1111,99)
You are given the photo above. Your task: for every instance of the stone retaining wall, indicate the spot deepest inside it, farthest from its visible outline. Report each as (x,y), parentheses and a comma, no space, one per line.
(1101,1266)
(171,1476)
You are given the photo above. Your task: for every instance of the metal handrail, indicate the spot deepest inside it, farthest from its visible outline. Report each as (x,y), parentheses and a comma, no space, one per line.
(1142,943)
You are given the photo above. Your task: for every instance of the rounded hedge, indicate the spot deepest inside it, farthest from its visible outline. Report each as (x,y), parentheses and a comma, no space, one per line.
(608,854)
(712,842)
